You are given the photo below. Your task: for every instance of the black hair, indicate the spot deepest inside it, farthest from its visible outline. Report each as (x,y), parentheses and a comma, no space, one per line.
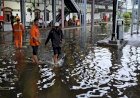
(36,19)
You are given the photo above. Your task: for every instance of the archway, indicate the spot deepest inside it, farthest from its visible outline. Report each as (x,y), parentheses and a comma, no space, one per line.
(7,14)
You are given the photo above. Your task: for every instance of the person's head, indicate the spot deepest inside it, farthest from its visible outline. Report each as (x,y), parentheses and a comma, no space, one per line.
(56,24)
(18,20)
(36,21)
(16,14)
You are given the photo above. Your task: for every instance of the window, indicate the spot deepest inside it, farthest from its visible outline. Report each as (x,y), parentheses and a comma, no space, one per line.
(37,13)
(47,14)
(7,17)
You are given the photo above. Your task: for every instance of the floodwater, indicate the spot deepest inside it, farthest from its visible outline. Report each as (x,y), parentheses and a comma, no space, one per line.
(87,71)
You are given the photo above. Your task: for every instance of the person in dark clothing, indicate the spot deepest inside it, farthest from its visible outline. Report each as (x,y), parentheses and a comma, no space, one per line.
(12,18)
(56,37)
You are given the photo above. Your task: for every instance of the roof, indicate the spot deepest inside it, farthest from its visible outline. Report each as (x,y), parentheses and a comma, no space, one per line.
(98,2)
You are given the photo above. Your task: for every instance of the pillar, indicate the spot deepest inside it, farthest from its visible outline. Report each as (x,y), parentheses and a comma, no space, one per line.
(0,6)
(83,33)
(114,19)
(45,14)
(3,8)
(92,16)
(138,19)
(62,13)
(85,13)
(133,10)
(54,11)
(23,13)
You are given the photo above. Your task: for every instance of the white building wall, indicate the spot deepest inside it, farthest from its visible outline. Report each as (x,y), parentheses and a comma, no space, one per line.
(16,7)
(13,5)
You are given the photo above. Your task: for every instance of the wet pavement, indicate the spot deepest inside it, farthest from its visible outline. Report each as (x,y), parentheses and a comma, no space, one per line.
(87,71)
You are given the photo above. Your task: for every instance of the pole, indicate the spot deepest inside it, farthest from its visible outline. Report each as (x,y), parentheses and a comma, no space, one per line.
(133,3)
(54,11)
(0,7)
(62,13)
(92,16)
(45,14)
(138,16)
(114,19)
(3,11)
(23,13)
(85,13)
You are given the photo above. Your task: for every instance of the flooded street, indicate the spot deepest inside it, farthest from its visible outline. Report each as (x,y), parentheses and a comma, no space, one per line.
(87,71)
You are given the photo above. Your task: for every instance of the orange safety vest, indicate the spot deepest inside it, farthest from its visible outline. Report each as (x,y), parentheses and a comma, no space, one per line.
(18,30)
(34,33)
(18,34)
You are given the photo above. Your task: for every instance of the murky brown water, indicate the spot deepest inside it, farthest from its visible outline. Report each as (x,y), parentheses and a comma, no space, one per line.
(88,71)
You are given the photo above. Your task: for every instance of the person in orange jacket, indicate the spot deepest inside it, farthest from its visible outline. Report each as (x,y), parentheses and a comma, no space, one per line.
(18,30)
(35,40)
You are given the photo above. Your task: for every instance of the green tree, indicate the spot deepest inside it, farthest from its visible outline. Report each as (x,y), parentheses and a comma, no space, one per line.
(127,18)
(126,15)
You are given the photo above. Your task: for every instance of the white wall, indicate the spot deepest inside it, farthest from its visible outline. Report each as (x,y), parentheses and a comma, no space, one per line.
(13,5)
(16,6)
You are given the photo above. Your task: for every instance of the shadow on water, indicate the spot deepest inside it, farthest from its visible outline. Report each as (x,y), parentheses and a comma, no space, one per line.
(88,71)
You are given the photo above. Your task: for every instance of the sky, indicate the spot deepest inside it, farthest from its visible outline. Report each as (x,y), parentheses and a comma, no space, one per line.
(129,5)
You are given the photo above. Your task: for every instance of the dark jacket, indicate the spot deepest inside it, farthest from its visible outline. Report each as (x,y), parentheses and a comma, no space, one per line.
(56,37)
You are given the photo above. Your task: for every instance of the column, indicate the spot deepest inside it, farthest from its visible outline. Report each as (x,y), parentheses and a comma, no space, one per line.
(83,33)
(23,13)
(85,13)
(0,6)
(92,16)
(3,6)
(62,13)
(138,16)
(133,10)
(114,19)
(45,14)
(23,16)
(54,11)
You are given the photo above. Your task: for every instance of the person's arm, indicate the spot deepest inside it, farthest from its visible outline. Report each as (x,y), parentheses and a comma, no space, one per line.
(48,38)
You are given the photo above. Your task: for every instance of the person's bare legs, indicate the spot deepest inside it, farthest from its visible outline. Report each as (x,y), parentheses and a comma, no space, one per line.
(35,59)
(55,58)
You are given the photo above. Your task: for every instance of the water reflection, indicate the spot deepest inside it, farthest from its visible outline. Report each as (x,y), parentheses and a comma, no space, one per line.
(54,85)
(88,71)
(126,28)
(28,80)
(106,76)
